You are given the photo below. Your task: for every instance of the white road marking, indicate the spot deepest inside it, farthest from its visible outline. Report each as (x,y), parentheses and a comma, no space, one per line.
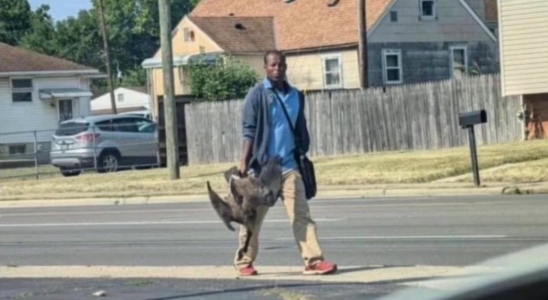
(85,224)
(362,204)
(410,237)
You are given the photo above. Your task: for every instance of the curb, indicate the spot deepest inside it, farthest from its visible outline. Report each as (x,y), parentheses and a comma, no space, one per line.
(327,193)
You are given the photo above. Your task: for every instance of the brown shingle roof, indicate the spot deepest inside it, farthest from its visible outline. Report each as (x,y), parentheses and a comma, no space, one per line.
(302,23)
(239,34)
(14,59)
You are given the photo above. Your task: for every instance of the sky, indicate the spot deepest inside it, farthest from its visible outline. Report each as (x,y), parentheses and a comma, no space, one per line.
(61,9)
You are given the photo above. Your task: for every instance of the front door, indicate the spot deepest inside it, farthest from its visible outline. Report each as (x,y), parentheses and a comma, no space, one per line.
(65,110)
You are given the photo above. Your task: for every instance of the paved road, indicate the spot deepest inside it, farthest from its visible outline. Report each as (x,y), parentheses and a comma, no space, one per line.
(154,289)
(436,231)
(439,231)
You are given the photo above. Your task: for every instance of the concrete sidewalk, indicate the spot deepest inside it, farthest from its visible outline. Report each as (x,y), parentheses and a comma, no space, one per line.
(356,274)
(326,192)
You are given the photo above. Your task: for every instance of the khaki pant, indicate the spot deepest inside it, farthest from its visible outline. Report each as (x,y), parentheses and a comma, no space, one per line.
(304,228)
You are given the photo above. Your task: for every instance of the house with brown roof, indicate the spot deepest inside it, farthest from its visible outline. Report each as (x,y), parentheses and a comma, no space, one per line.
(409,41)
(205,38)
(36,93)
(128,99)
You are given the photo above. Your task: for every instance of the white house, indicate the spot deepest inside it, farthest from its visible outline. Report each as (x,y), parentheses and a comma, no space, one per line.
(127,99)
(524,60)
(36,93)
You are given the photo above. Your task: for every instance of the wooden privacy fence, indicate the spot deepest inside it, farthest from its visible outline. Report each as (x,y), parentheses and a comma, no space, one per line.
(421,116)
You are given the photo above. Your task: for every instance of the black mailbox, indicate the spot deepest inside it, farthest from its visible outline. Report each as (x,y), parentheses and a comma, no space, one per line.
(472,118)
(467,121)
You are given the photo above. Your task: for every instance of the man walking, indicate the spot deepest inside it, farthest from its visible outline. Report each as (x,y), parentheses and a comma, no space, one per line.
(267,133)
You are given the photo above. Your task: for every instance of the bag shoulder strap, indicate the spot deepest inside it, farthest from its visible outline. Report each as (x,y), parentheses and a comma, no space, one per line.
(285,112)
(297,144)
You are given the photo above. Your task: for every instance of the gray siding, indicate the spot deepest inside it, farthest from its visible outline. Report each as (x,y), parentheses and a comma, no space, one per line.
(478,6)
(453,23)
(431,61)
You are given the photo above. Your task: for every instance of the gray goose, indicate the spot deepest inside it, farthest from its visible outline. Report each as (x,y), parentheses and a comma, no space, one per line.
(246,194)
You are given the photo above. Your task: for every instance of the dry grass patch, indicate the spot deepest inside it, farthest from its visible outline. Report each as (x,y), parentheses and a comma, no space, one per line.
(29,173)
(422,166)
(528,172)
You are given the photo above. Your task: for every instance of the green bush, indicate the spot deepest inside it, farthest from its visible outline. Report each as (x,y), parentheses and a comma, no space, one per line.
(225,79)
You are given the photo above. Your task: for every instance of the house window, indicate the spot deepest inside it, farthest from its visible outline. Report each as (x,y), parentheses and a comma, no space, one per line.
(21,90)
(428,9)
(459,61)
(332,69)
(120,97)
(393,16)
(392,66)
(17,149)
(188,35)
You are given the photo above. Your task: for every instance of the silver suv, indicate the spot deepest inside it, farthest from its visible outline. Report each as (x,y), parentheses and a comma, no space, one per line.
(106,142)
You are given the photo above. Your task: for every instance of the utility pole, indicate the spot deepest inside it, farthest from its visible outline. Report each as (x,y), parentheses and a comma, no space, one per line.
(362,29)
(170,114)
(107,55)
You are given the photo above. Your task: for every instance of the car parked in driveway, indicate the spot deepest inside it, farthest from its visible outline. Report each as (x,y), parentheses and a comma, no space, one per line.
(106,142)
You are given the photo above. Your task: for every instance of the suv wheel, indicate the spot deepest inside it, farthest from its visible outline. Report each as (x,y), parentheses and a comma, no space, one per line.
(108,162)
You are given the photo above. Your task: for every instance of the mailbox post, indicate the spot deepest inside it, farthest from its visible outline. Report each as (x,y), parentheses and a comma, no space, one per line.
(467,121)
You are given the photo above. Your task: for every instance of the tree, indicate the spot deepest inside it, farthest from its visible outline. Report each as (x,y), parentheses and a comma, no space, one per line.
(134,33)
(41,37)
(79,40)
(225,79)
(15,20)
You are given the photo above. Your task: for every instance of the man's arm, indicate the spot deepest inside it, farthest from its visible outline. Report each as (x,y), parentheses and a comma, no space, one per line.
(246,156)
(249,123)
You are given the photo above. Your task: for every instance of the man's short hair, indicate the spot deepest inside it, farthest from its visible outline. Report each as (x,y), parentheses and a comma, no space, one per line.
(275,52)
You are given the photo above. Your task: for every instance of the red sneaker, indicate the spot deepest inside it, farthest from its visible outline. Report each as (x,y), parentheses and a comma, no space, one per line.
(320,268)
(247,270)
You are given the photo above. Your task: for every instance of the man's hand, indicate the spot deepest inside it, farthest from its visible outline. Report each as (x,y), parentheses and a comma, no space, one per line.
(243,168)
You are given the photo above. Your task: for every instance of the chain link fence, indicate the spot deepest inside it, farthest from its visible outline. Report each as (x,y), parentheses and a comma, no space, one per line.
(78,147)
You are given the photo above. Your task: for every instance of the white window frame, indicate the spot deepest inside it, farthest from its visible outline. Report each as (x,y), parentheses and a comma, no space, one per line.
(385,68)
(22,90)
(434,10)
(324,71)
(120,97)
(452,58)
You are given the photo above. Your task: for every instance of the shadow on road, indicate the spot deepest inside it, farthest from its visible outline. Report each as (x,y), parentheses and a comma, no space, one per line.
(265,288)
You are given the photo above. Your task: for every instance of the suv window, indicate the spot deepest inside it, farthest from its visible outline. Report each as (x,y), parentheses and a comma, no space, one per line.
(105,125)
(125,125)
(71,128)
(146,126)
